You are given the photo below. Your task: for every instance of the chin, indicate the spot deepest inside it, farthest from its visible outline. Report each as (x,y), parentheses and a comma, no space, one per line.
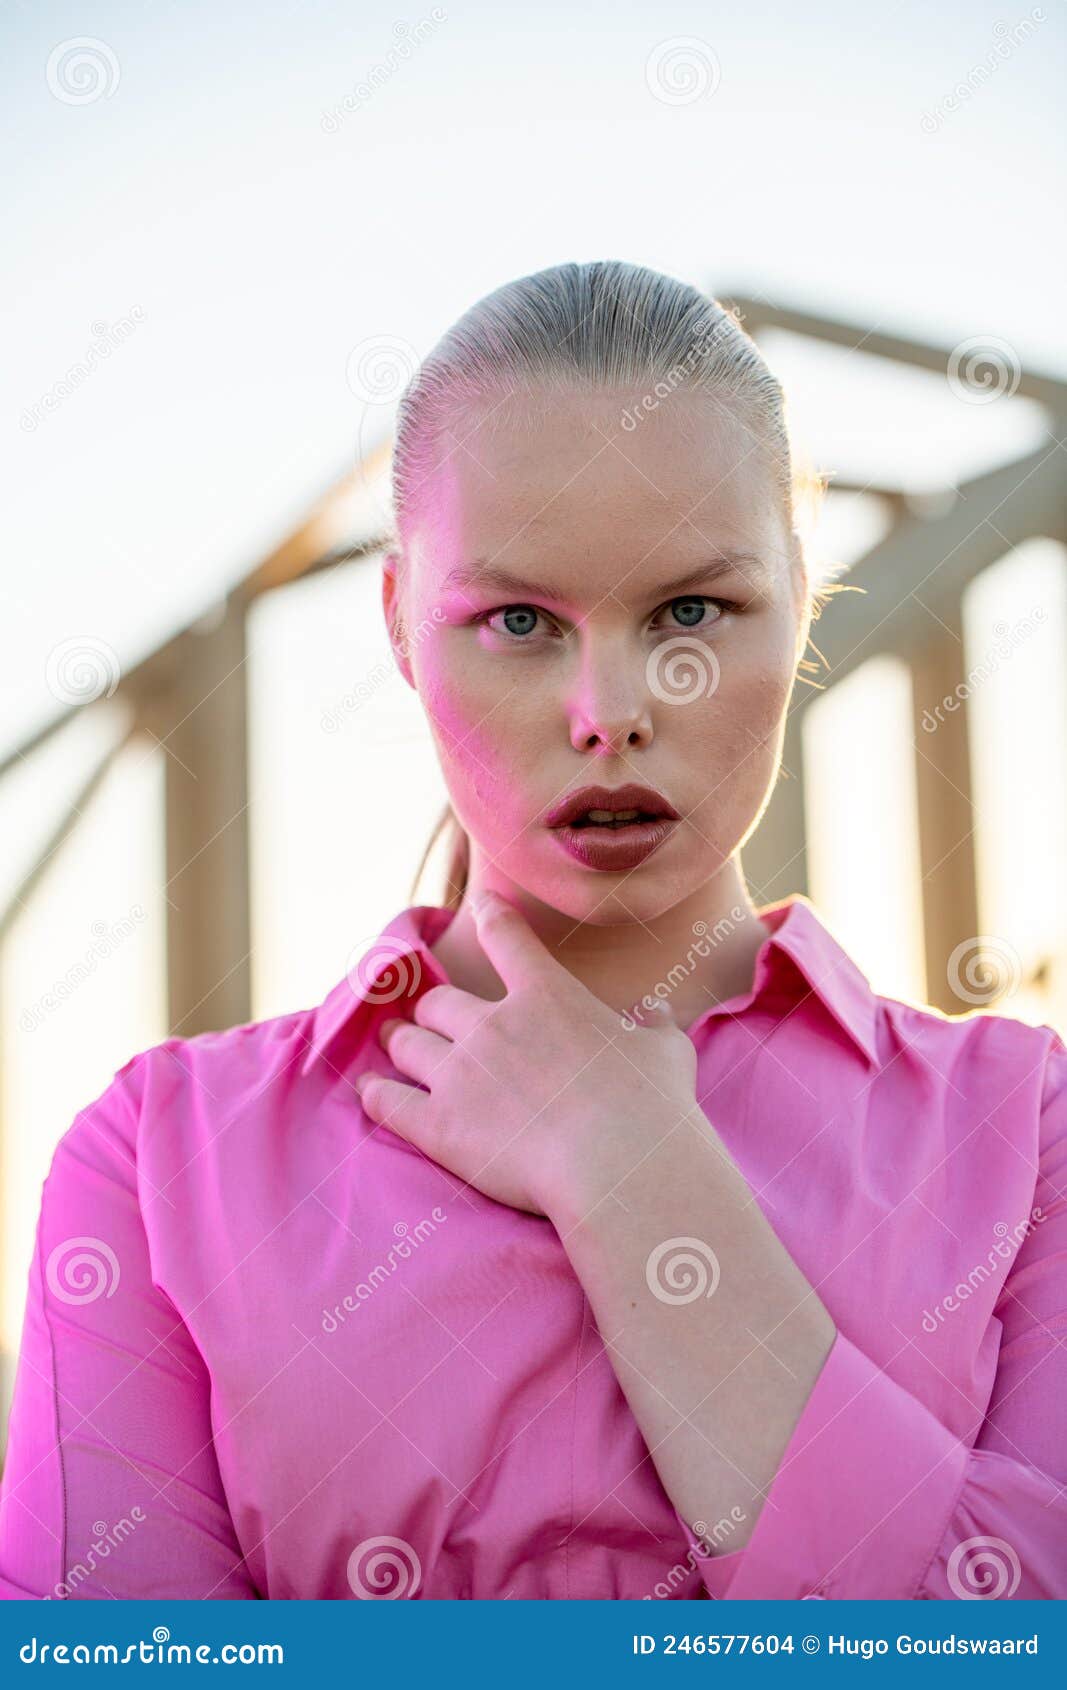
(641,896)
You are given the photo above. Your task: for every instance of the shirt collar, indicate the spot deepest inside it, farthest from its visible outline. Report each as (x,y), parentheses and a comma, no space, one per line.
(400,965)
(397,967)
(800,938)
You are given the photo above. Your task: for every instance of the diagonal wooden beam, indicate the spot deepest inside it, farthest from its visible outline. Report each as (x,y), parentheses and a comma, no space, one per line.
(913,579)
(66,825)
(756,314)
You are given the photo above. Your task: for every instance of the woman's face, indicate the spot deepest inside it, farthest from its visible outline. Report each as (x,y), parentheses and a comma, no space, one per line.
(582,660)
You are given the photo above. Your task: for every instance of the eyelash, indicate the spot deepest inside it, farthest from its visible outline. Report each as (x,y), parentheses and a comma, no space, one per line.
(524,639)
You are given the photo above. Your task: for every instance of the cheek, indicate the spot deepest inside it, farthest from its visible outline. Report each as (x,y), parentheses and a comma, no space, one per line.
(762,699)
(486,730)
(757,679)
(734,736)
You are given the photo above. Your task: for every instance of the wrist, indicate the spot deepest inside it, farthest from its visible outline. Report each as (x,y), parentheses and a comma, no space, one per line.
(600,1159)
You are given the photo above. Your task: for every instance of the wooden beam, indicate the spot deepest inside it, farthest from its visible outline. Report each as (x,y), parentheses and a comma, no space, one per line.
(774,859)
(756,314)
(40,736)
(912,582)
(66,825)
(319,543)
(946,809)
(200,722)
(913,579)
(324,530)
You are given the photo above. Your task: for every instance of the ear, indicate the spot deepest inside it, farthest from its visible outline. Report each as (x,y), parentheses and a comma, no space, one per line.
(391,606)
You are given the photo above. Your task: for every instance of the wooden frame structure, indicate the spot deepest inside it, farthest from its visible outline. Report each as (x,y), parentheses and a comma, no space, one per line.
(190,697)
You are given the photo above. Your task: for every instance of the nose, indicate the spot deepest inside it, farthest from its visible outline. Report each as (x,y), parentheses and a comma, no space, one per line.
(612,706)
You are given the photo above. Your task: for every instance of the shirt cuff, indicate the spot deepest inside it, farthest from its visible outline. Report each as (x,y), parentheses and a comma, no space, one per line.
(861,1499)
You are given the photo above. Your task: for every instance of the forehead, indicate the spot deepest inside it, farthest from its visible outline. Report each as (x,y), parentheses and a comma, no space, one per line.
(596,479)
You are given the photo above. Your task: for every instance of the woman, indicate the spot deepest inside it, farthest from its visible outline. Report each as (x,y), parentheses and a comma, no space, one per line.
(602,1235)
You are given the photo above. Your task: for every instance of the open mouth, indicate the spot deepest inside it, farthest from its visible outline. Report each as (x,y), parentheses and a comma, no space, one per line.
(609,837)
(612,820)
(617,824)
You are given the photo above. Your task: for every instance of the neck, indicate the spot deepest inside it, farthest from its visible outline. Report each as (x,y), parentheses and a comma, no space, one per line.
(700,952)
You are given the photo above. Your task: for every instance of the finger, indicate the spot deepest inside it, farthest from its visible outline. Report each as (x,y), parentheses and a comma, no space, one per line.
(412,1049)
(510,942)
(450,1011)
(402,1108)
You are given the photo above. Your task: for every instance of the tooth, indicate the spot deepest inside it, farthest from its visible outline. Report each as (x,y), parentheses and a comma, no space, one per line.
(612,815)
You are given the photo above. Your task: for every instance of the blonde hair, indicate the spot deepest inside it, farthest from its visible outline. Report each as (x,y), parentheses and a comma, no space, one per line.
(601,325)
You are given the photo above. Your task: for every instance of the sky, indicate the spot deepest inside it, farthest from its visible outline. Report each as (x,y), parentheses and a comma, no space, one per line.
(209,209)
(234,231)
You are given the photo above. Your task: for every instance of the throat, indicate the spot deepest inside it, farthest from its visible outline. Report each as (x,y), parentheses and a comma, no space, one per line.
(624,960)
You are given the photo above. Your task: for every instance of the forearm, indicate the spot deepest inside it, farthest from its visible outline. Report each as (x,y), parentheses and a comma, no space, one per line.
(718,1358)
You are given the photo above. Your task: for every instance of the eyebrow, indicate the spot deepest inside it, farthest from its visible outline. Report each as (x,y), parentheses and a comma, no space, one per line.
(481,573)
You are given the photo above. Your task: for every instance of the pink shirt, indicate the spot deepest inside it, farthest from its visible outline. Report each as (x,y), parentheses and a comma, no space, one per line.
(273,1350)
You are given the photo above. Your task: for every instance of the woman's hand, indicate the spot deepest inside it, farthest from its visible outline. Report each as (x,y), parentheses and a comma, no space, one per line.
(520,1092)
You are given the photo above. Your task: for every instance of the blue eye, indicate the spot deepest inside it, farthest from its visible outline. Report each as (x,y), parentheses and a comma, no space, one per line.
(520,620)
(682,607)
(525,614)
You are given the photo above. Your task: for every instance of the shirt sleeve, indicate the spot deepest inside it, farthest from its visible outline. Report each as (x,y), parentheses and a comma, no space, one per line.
(110,1487)
(874,1497)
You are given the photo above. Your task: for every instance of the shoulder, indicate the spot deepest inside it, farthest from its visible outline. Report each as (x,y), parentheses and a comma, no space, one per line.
(999,1069)
(977,1032)
(172,1098)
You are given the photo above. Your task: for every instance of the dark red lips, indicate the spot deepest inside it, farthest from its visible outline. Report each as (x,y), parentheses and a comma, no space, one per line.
(652,804)
(618,848)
